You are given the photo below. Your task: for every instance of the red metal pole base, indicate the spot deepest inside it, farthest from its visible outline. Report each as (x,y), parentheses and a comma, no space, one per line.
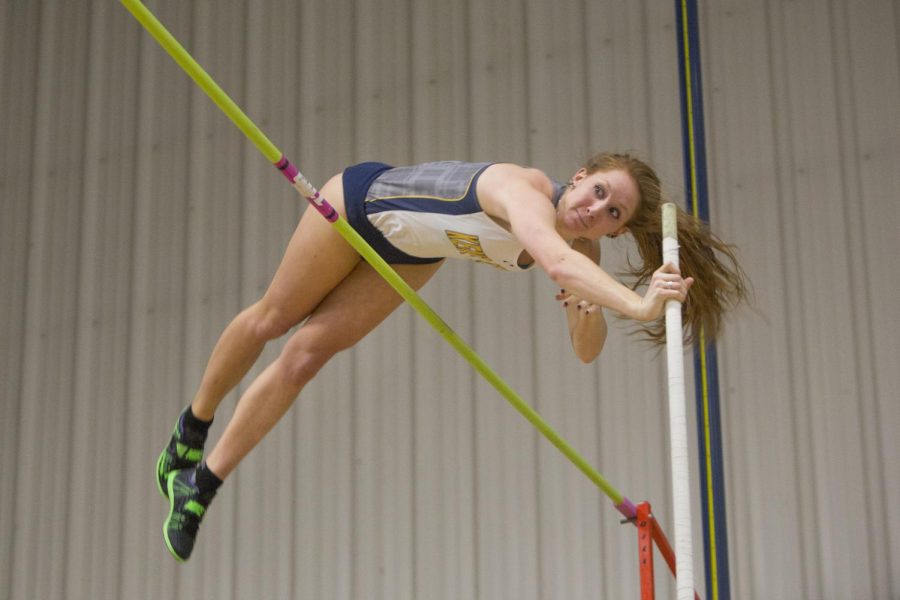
(645,549)
(649,532)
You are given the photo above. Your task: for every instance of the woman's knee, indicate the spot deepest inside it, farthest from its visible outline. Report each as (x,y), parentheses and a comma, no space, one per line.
(268,322)
(300,362)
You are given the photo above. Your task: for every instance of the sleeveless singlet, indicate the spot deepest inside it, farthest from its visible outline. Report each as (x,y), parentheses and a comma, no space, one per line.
(431,211)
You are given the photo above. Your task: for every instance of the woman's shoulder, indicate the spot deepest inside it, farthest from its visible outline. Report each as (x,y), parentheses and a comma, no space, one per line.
(503,174)
(504,186)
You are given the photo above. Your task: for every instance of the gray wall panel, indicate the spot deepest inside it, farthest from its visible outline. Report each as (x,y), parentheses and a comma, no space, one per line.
(17,122)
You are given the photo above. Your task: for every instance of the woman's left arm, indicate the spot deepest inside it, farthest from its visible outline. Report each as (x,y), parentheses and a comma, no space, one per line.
(587,325)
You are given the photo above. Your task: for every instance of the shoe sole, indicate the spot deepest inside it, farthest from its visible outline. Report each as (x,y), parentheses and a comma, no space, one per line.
(162,491)
(170,487)
(159,462)
(159,485)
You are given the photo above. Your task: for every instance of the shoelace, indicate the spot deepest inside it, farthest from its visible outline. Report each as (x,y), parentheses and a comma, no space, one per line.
(186,521)
(189,437)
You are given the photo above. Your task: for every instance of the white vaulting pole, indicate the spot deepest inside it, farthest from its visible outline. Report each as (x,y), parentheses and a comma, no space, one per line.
(681,485)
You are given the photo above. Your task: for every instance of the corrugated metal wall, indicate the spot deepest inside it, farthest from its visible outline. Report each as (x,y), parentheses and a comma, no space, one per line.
(136,221)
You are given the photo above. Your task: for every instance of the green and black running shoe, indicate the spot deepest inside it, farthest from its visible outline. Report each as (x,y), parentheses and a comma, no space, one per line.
(186,509)
(185,450)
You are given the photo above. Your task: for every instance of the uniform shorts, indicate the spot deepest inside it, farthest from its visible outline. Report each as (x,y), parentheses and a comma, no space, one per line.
(357,180)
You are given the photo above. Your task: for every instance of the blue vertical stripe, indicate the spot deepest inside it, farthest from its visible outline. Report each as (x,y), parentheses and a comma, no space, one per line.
(706,376)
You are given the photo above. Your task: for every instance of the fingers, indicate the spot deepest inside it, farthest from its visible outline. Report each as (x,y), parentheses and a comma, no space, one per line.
(669,282)
(571,300)
(591,309)
(586,308)
(566,298)
(583,305)
(687,285)
(668,268)
(668,285)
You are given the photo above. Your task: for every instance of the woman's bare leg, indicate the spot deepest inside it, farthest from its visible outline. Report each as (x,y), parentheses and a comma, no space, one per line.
(316,260)
(355,307)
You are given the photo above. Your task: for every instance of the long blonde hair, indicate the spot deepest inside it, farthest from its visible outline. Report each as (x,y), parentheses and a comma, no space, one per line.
(719,281)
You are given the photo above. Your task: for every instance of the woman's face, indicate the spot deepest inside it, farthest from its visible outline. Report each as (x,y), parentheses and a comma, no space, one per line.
(599,204)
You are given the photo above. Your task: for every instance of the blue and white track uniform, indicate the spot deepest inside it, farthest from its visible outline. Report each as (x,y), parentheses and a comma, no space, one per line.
(424,213)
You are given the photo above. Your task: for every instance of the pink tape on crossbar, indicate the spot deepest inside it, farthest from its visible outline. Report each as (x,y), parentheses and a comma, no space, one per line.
(287,169)
(290,171)
(627,508)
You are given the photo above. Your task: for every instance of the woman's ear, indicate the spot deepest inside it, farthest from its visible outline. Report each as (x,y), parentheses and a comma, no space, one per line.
(579,175)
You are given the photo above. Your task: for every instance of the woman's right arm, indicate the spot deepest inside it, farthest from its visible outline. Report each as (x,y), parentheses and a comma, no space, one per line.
(520,197)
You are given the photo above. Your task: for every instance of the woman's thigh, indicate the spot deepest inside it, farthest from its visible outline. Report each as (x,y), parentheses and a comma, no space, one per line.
(316,260)
(354,308)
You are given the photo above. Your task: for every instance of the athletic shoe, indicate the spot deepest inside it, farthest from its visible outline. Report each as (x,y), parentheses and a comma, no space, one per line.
(184,451)
(186,509)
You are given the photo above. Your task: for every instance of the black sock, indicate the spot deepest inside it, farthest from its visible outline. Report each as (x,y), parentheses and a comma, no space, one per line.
(190,421)
(206,480)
